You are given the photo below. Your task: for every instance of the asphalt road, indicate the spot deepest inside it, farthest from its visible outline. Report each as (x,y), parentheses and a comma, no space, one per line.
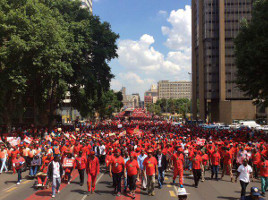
(208,190)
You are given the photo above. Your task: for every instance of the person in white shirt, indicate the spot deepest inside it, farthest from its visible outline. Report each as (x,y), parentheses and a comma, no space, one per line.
(141,158)
(244,172)
(102,154)
(55,172)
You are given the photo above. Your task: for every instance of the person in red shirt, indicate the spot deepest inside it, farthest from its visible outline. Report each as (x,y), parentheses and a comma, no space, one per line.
(18,163)
(263,166)
(227,163)
(132,168)
(150,166)
(197,165)
(205,159)
(215,161)
(178,160)
(42,175)
(117,169)
(68,166)
(92,169)
(80,165)
(256,159)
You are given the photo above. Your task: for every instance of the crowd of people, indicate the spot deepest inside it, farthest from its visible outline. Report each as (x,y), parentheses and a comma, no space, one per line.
(137,150)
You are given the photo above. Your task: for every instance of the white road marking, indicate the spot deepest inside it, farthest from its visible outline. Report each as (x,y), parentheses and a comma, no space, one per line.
(85,196)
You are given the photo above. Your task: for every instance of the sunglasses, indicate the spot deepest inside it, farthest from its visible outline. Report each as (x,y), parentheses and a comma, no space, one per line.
(183,197)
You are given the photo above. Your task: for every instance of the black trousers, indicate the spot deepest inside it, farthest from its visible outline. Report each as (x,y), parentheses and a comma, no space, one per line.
(131,180)
(117,181)
(81,175)
(243,188)
(197,176)
(102,159)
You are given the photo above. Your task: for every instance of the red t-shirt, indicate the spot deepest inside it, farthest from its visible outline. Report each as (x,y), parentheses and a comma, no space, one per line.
(205,159)
(132,167)
(256,158)
(263,168)
(178,161)
(118,164)
(197,160)
(227,158)
(215,158)
(150,164)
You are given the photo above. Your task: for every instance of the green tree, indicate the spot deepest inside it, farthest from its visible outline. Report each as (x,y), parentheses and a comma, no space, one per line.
(251,47)
(50,47)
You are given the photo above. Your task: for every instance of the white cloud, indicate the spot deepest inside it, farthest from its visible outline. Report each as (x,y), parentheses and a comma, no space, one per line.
(142,65)
(179,34)
(163,13)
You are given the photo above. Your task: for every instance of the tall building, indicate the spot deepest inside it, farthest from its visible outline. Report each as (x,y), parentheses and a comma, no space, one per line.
(87,4)
(151,96)
(215,24)
(174,90)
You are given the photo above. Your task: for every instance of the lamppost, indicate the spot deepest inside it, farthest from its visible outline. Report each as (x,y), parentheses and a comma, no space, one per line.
(190,75)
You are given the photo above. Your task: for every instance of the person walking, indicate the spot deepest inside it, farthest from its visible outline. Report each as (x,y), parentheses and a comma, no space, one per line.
(227,164)
(3,158)
(178,160)
(80,165)
(151,169)
(197,165)
(92,169)
(162,166)
(132,168)
(263,165)
(143,176)
(244,172)
(55,172)
(215,162)
(18,163)
(117,170)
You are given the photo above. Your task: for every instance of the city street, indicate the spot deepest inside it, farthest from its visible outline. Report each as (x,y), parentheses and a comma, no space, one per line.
(208,190)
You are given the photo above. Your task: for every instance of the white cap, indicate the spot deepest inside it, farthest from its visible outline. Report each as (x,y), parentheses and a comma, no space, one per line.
(182,191)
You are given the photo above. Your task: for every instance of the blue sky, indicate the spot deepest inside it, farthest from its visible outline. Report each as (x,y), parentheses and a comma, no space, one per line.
(154,44)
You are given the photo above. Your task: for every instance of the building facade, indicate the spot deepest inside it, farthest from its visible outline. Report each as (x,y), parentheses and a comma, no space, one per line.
(87,4)
(215,24)
(174,90)
(130,101)
(151,96)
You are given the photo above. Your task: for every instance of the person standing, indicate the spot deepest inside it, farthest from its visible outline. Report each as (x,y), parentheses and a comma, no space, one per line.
(215,162)
(162,166)
(263,165)
(92,169)
(18,163)
(117,170)
(55,172)
(256,159)
(80,164)
(132,168)
(197,165)
(243,173)
(150,166)
(3,158)
(141,158)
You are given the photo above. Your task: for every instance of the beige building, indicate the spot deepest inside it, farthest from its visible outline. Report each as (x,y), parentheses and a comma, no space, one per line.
(215,24)
(174,90)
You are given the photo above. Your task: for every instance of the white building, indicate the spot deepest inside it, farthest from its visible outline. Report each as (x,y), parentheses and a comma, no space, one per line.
(87,4)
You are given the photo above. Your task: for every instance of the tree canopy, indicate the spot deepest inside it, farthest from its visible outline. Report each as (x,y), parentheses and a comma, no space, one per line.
(47,48)
(251,47)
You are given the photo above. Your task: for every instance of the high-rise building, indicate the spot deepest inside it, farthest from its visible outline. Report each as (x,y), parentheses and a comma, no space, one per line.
(174,90)
(215,24)
(87,4)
